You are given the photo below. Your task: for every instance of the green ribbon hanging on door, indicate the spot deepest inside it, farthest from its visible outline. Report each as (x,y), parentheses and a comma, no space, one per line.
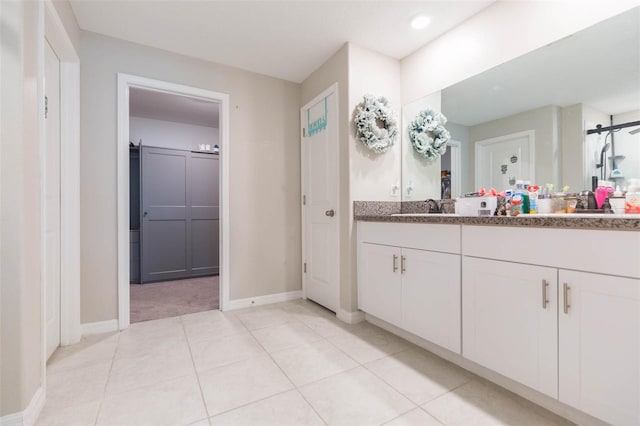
(317,125)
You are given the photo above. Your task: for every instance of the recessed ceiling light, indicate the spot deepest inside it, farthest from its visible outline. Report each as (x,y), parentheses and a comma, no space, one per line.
(419,22)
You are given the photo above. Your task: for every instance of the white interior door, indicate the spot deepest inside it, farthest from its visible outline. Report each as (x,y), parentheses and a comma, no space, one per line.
(319,120)
(503,160)
(52,199)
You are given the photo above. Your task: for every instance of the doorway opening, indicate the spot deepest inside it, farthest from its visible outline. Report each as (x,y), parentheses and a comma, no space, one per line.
(173,197)
(451,171)
(174,150)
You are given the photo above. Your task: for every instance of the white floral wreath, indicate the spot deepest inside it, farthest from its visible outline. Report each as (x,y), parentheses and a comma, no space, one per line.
(428,135)
(369,114)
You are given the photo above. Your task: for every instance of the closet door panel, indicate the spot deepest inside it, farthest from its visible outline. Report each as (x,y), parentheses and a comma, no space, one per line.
(204,212)
(205,248)
(165,222)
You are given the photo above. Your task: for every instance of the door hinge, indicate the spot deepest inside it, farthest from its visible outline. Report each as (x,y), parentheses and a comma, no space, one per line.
(304,132)
(305,267)
(46,106)
(304,200)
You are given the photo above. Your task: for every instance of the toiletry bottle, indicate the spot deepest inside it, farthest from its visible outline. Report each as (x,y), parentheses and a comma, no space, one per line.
(558,203)
(525,197)
(632,199)
(603,191)
(617,201)
(517,199)
(508,194)
(516,204)
(533,198)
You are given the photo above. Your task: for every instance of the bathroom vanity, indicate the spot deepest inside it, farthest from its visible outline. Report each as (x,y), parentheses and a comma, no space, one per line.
(551,303)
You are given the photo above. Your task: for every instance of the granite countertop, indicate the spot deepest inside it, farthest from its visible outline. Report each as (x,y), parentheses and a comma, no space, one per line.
(393,212)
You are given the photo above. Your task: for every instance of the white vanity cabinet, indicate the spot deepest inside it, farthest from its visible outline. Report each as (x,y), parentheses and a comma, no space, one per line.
(431,296)
(406,278)
(593,314)
(380,293)
(510,321)
(557,310)
(599,353)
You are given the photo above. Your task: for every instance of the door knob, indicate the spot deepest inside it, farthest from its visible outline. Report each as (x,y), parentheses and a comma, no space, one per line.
(329,213)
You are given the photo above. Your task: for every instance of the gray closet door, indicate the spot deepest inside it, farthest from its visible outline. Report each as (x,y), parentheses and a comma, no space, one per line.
(165,246)
(205,219)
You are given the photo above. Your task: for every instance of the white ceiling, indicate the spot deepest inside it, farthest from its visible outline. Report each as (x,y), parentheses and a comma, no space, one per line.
(599,67)
(168,107)
(283,39)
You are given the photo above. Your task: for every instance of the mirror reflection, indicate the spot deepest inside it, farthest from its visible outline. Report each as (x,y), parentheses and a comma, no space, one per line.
(528,119)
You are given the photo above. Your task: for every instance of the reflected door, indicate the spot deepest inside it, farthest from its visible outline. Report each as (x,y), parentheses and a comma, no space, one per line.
(503,160)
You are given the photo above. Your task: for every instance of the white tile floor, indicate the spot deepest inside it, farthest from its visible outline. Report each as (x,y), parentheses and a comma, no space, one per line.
(285,364)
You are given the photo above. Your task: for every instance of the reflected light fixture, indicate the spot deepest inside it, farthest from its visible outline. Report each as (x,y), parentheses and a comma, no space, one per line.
(420,21)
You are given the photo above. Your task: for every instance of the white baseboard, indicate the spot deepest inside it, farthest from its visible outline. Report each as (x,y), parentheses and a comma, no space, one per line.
(263,300)
(14,419)
(29,416)
(99,327)
(350,317)
(536,397)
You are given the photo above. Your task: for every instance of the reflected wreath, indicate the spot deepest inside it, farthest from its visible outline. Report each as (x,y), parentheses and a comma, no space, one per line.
(376,124)
(427,134)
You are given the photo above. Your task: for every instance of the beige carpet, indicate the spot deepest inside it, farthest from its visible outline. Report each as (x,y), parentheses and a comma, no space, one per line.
(173,298)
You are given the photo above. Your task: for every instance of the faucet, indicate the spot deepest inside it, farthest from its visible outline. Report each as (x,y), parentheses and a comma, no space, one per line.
(432,206)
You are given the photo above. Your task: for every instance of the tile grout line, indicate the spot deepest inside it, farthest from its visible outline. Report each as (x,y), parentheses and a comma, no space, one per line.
(195,371)
(420,407)
(387,383)
(441,396)
(295,387)
(104,391)
(311,406)
(250,332)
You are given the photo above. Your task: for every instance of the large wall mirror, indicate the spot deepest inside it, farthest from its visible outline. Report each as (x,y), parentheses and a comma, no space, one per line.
(528,118)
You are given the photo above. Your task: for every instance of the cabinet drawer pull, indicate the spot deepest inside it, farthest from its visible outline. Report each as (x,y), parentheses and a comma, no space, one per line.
(545,300)
(395,263)
(403,266)
(565,289)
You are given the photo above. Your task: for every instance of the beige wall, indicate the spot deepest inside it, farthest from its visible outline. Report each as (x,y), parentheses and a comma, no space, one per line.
(460,133)
(572,141)
(21,351)
(545,123)
(372,174)
(264,171)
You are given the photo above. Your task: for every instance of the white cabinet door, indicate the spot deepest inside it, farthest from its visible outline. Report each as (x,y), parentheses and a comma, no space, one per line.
(600,346)
(431,296)
(379,286)
(506,325)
